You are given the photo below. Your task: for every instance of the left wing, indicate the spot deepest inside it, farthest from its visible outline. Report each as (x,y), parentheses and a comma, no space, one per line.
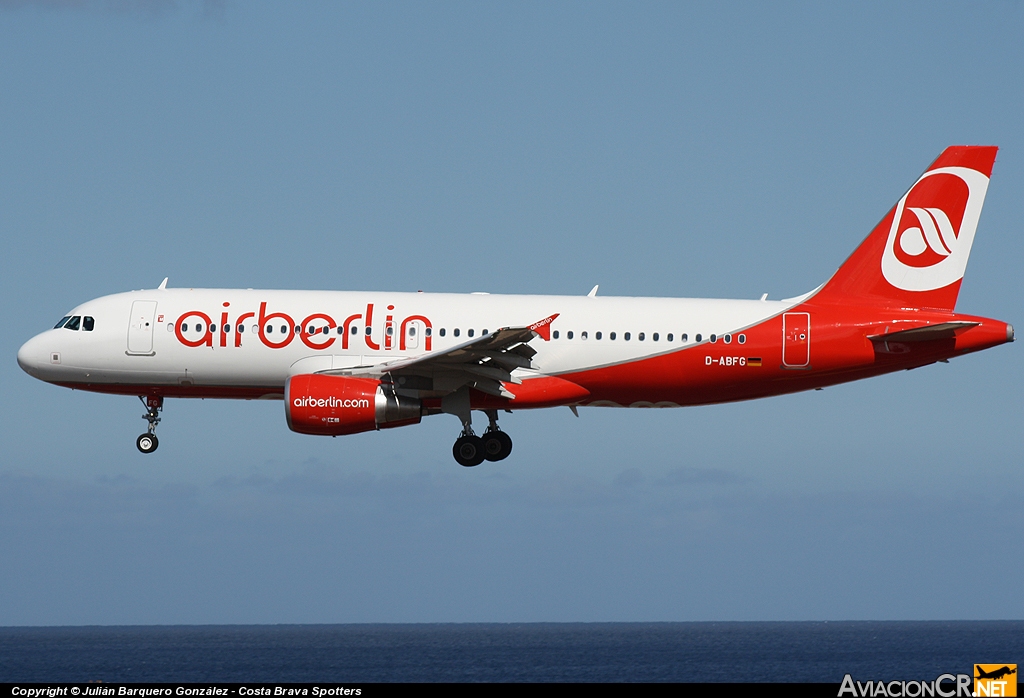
(485,363)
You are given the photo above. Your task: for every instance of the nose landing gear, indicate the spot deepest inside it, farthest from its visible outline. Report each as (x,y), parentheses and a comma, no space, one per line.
(148,442)
(471,450)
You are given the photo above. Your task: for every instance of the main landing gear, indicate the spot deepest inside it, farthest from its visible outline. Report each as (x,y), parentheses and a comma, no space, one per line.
(148,442)
(471,450)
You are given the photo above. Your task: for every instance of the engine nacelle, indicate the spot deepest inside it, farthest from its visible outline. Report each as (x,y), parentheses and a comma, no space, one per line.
(337,405)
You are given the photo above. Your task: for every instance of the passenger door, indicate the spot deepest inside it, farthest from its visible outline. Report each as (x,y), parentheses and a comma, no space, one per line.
(796,340)
(140,327)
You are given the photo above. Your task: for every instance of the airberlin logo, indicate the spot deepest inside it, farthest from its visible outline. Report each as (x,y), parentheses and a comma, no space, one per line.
(278,330)
(933,229)
(309,401)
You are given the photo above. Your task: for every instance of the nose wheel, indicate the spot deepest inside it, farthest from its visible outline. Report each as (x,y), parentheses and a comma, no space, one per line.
(147,443)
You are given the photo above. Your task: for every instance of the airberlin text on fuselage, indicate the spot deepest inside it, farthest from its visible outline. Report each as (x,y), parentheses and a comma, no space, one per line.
(330,402)
(316,331)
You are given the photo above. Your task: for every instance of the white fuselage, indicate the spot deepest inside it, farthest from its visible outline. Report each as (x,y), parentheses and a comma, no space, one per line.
(240,352)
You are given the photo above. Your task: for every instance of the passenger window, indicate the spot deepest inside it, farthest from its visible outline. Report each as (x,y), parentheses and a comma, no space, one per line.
(355,330)
(683,337)
(728,339)
(484,332)
(697,338)
(626,336)
(284,329)
(241,329)
(199,328)
(390,330)
(611,336)
(471,333)
(369,331)
(298,329)
(270,329)
(73,323)
(742,338)
(583,335)
(667,339)
(597,335)
(88,323)
(442,332)
(227,329)
(640,336)
(456,332)
(714,338)
(555,334)
(655,337)
(170,327)
(427,332)
(568,334)
(62,321)
(412,331)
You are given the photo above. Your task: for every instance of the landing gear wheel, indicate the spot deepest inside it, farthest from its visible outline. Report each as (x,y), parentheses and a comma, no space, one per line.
(468,450)
(147,443)
(497,445)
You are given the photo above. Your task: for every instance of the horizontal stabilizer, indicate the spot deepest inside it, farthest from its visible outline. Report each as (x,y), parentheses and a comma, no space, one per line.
(945,330)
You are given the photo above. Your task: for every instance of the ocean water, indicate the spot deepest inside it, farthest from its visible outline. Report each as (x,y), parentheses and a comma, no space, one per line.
(619,652)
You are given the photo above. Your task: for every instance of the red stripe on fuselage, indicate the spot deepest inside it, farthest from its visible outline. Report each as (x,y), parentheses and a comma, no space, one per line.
(195,391)
(840,351)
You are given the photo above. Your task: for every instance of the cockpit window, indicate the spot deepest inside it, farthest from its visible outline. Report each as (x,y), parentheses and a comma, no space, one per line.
(62,321)
(88,323)
(73,323)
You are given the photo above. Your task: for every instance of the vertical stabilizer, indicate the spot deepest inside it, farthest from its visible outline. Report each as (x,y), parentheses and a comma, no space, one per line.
(917,255)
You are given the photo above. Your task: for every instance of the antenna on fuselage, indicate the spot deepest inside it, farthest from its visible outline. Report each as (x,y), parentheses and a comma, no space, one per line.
(163,284)
(764,297)
(593,292)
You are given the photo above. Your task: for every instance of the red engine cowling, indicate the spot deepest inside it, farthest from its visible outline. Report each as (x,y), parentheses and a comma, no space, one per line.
(338,405)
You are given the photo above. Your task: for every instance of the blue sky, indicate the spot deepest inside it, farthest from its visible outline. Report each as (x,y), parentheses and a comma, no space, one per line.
(663,149)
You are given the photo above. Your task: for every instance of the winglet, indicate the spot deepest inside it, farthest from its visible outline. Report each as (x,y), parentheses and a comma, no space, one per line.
(542,328)
(593,291)
(163,284)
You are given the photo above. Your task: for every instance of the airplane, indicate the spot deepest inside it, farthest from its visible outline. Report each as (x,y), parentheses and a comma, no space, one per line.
(350,362)
(995,674)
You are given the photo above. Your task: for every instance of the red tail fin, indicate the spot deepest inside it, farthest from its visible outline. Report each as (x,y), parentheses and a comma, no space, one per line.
(917,255)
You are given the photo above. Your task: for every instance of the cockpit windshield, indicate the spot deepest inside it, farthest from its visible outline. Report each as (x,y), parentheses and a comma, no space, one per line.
(62,321)
(73,323)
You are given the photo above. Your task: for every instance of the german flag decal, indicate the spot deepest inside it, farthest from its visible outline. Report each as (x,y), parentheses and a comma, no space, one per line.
(753,361)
